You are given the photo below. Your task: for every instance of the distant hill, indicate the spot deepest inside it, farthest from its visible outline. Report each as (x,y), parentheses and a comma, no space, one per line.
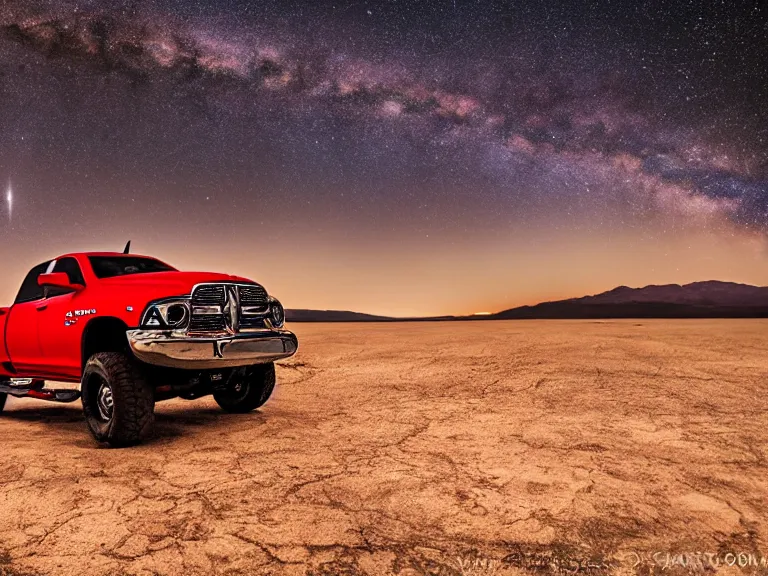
(301,315)
(711,299)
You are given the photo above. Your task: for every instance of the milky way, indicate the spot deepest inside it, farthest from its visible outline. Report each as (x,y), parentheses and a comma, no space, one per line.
(625,115)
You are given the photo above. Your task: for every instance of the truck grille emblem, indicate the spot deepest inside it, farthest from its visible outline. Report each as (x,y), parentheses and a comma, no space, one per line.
(231,309)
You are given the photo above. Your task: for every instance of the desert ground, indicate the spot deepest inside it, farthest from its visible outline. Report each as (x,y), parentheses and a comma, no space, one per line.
(596,447)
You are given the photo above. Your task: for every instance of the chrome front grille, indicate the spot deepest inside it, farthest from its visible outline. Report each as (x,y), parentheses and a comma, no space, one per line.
(253,296)
(228,308)
(207,323)
(208,295)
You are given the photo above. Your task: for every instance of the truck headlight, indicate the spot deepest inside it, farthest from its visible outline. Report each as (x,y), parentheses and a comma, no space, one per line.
(276,313)
(176,315)
(167,315)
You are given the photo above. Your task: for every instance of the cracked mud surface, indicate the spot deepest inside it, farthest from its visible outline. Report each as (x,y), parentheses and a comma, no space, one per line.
(423,448)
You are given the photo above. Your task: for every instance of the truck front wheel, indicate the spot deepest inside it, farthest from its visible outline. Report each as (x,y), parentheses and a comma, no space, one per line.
(117,400)
(247,389)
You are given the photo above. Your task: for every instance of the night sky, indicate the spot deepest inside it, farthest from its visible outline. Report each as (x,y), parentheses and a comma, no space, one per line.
(402,158)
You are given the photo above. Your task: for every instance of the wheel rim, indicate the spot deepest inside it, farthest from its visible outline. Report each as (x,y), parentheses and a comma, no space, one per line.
(104,401)
(239,391)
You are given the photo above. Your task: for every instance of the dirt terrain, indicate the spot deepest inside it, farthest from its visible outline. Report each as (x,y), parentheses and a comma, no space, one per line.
(421,448)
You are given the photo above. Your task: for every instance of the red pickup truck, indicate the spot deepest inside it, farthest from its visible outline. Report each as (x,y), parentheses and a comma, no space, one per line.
(132,330)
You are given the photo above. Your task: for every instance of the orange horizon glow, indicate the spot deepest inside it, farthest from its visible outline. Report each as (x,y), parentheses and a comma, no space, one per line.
(416,279)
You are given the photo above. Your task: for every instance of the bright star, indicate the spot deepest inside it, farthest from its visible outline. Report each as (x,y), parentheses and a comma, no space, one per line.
(9,198)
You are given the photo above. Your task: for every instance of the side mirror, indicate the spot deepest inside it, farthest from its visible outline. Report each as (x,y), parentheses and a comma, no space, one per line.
(58,280)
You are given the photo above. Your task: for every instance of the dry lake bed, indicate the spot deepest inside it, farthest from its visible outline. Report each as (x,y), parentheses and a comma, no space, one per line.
(595,447)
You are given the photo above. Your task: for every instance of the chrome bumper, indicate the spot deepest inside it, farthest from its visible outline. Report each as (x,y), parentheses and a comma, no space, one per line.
(175,350)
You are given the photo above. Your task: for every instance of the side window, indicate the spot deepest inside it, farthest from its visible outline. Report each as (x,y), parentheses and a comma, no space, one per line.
(72,269)
(29,290)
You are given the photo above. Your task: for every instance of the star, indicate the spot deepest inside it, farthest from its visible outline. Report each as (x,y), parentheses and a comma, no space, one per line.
(9,200)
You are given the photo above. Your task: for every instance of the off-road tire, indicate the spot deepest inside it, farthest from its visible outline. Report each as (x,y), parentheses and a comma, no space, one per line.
(247,389)
(3,398)
(132,414)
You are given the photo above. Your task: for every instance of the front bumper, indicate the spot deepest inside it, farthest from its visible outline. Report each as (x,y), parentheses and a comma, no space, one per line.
(172,350)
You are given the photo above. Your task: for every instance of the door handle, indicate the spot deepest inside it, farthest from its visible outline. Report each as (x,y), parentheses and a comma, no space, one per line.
(41,308)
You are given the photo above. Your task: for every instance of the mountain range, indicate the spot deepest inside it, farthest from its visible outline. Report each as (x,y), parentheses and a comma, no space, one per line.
(709,299)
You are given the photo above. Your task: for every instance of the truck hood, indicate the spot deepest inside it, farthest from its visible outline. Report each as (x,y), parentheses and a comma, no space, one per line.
(165,284)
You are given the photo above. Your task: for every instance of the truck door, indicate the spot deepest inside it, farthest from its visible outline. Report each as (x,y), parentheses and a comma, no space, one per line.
(61,323)
(21,334)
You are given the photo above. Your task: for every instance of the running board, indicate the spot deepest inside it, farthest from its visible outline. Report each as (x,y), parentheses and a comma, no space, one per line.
(35,390)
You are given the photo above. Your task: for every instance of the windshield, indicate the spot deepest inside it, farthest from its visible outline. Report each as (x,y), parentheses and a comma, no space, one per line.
(110,266)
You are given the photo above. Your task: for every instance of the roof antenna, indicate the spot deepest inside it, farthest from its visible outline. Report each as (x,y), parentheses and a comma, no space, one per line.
(127,248)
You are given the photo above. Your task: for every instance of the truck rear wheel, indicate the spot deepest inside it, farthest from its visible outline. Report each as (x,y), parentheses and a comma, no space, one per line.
(247,389)
(3,397)
(117,400)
